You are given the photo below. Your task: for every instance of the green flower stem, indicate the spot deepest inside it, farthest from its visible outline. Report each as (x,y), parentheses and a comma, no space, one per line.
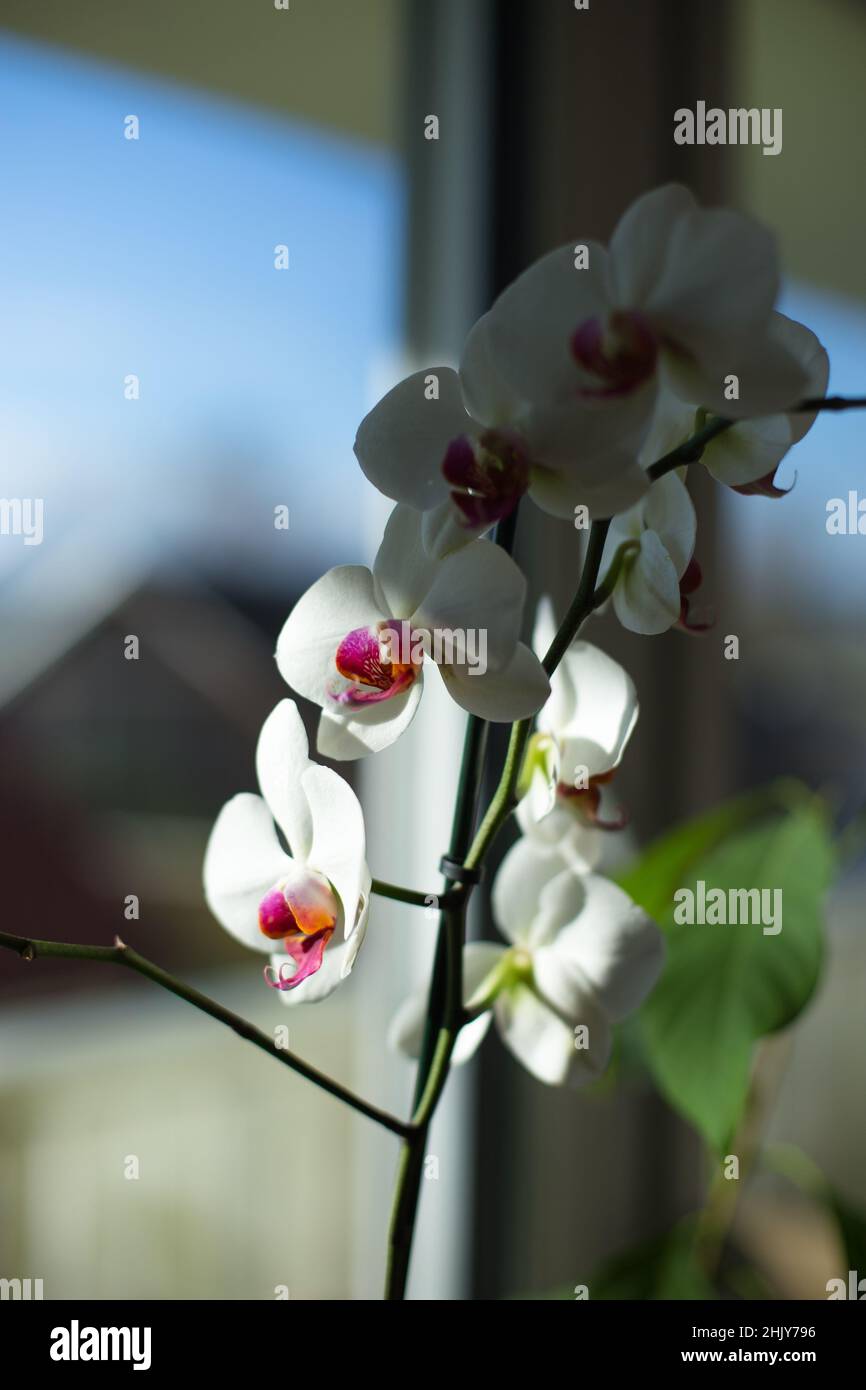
(442,1024)
(407,1187)
(445,998)
(440,1038)
(583,602)
(412,896)
(505,797)
(471,767)
(465,807)
(123,955)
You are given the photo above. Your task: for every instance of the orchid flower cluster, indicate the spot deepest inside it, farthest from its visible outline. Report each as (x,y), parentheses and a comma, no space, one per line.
(577,390)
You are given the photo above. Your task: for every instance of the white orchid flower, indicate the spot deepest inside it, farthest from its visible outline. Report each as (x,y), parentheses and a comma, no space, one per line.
(355,643)
(581,957)
(583,730)
(746,457)
(463,446)
(313,899)
(465,455)
(683,297)
(557,383)
(648,559)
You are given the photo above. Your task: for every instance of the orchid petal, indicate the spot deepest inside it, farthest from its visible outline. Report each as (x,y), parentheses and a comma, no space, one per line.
(545,1043)
(603,713)
(282,757)
(812,356)
(367,729)
(342,600)
(545,627)
(640,244)
(400,445)
(646,598)
(515,692)
(750,450)
(487,395)
(719,283)
(617,485)
(478,588)
(611,943)
(520,880)
(403,568)
(769,377)
(242,862)
(339,842)
(669,511)
(561,834)
(585,452)
(754,448)
(530,327)
(672,424)
(443,530)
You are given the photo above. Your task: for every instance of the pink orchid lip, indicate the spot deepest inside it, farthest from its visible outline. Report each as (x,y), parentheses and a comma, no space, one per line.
(622,352)
(488,477)
(360,658)
(303,907)
(308,953)
(302,913)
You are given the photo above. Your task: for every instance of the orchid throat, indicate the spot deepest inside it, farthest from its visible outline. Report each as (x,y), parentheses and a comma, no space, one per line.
(301,913)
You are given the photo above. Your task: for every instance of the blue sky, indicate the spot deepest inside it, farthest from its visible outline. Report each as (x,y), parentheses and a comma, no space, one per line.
(155,257)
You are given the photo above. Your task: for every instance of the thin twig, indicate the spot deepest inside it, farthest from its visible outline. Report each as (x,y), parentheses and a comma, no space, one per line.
(120,954)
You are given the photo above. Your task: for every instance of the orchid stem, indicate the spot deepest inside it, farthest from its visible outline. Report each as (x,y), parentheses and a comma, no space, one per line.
(445,1016)
(445,999)
(474,747)
(407,1188)
(411,896)
(463,822)
(121,954)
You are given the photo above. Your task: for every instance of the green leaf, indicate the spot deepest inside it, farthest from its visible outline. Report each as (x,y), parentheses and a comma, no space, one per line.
(725,986)
(665,865)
